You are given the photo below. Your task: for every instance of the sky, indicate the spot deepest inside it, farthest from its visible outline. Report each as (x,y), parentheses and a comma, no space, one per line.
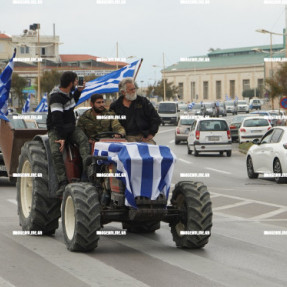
(148,28)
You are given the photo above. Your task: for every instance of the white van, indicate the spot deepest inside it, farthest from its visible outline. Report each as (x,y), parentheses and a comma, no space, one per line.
(168,112)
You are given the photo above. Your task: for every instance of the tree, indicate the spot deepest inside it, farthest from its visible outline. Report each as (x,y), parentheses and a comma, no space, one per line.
(170,90)
(17,85)
(276,86)
(49,80)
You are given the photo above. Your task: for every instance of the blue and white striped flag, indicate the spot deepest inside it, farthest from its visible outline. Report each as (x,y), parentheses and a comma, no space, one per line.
(190,106)
(147,169)
(108,83)
(26,107)
(5,84)
(43,105)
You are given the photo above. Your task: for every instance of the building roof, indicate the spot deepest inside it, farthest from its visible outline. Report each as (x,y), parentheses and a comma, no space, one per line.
(85,57)
(4,36)
(228,58)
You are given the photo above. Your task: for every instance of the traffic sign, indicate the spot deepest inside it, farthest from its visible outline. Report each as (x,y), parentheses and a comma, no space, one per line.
(283,103)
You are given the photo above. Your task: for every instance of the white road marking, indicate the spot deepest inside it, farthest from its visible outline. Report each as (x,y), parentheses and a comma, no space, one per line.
(231,205)
(166,131)
(218,170)
(269,214)
(4,283)
(185,161)
(14,201)
(172,141)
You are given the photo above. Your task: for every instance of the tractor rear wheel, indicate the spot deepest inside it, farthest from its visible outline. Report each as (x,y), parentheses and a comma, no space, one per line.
(37,211)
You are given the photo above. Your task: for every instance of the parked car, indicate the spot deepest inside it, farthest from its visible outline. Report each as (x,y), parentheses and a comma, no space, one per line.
(209,135)
(222,109)
(235,125)
(255,104)
(269,155)
(197,109)
(210,109)
(253,128)
(182,107)
(168,112)
(231,107)
(182,129)
(242,106)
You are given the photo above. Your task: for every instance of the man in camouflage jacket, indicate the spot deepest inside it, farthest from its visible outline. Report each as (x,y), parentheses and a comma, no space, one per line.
(97,120)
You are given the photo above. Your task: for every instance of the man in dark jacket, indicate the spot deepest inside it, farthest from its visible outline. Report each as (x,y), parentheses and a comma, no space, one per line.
(142,120)
(61,125)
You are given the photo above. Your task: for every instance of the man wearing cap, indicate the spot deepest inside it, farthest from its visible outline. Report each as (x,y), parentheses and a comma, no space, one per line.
(98,120)
(141,119)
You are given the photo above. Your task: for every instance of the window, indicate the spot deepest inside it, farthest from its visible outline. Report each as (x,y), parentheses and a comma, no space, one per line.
(276,137)
(267,137)
(22,50)
(193,91)
(232,89)
(43,52)
(218,89)
(260,87)
(205,90)
(27,50)
(180,90)
(246,85)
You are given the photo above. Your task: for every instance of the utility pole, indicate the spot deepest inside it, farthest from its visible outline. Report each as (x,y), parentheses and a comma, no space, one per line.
(164,89)
(39,66)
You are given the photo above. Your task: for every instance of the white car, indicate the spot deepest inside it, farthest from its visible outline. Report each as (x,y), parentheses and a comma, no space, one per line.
(209,135)
(242,106)
(253,128)
(268,156)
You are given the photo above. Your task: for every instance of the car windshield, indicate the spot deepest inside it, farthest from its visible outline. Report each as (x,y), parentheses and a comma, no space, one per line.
(197,106)
(242,103)
(229,103)
(213,125)
(208,105)
(239,119)
(186,122)
(220,104)
(167,107)
(256,123)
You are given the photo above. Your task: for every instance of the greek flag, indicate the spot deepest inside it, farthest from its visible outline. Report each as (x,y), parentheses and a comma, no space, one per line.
(26,107)
(43,105)
(109,83)
(146,169)
(5,84)
(190,106)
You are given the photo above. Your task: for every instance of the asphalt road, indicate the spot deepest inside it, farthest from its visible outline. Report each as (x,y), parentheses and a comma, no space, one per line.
(239,252)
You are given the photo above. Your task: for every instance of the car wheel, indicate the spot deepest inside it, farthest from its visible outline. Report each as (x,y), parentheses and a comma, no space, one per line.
(177,141)
(195,152)
(278,170)
(228,153)
(250,170)
(188,150)
(221,152)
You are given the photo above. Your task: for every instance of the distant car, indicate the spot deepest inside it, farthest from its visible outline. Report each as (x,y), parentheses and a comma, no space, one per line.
(79,111)
(197,109)
(210,109)
(182,130)
(269,155)
(182,107)
(279,116)
(222,109)
(168,112)
(209,135)
(231,107)
(253,128)
(271,117)
(255,104)
(235,125)
(242,106)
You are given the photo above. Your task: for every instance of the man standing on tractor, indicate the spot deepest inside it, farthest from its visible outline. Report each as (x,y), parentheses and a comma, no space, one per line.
(61,125)
(142,120)
(97,120)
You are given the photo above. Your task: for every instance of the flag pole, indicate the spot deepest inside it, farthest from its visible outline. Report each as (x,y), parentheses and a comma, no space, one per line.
(138,68)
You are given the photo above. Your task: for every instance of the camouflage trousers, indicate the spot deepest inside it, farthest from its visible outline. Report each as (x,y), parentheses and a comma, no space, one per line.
(79,138)
(138,138)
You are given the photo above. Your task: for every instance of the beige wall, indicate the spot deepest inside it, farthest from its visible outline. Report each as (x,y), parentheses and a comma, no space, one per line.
(6,51)
(253,73)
